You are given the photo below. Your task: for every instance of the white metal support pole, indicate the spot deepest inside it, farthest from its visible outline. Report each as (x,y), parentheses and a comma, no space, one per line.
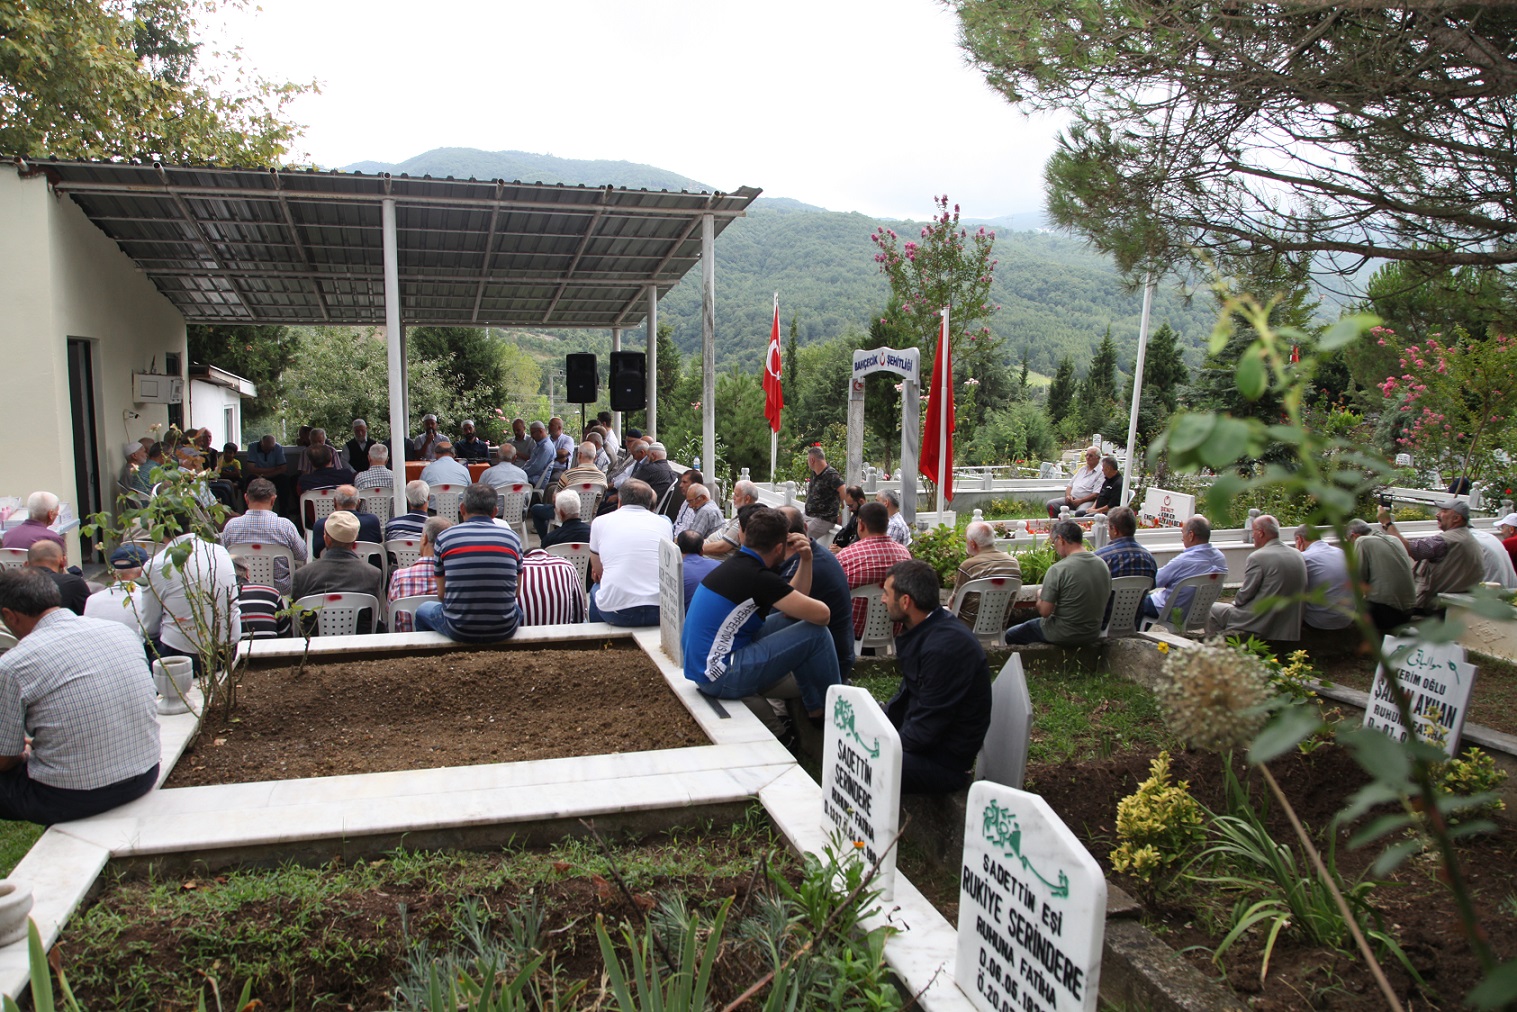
(774,434)
(396,357)
(652,377)
(708,344)
(941,406)
(1149,284)
(616,346)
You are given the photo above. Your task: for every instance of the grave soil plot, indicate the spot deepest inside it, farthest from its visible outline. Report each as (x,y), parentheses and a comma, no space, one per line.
(424,711)
(1414,904)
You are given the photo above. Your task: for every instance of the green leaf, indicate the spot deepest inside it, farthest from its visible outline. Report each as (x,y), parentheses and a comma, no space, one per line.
(1190,430)
(1379,756)
(1368,797)
(1220,335)
(1252,377)
(1284,732)
(1346,331)
(1378,827)
(1228,441)
(1497,989)
(1290,434)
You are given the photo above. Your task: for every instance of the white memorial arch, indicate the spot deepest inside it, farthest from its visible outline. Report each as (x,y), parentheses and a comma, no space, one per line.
(907,364)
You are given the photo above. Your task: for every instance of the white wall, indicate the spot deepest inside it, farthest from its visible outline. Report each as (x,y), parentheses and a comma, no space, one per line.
(208,404)
(62,278)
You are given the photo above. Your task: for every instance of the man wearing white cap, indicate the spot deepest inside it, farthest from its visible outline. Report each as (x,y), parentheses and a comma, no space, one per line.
(134,475)
(1498,564)
(1506,529)
(339,570)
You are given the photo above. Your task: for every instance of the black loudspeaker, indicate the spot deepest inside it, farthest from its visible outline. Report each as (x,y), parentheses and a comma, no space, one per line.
(629,381)
(579,370)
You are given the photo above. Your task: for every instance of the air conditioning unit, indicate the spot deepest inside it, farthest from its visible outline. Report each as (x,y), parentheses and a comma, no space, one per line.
(151,388)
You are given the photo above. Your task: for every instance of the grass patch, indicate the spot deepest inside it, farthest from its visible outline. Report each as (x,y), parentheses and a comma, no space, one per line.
(16,838)
(335,936)
(1076,714)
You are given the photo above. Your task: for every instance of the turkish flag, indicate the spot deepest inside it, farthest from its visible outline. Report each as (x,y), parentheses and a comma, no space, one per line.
(940,417)
(774,394)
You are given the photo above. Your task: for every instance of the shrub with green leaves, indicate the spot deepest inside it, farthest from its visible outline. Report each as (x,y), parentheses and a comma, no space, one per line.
(943,549)
(1471,775)
(1159,825)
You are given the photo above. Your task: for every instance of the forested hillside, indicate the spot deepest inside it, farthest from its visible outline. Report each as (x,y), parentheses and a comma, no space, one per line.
(1057,297)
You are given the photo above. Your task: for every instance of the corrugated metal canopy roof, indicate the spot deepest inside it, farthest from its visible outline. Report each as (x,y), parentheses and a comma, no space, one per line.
(305,247)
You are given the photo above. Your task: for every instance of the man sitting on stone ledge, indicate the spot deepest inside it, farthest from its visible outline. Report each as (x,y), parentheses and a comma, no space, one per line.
(942,707)
(1274,570)
(478,563)
(1074,595)
(78,724)
(734,646)
(1448,562)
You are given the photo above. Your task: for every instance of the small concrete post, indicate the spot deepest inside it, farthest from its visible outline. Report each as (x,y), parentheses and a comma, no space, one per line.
(871,480)
(1100,534)
(789,493)
(1064,513)
(988,480)
(1248,531)
(977,515)
(744,474)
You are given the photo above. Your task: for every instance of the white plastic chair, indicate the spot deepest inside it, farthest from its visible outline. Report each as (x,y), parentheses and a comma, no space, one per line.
(877,625)
(369,551)
(12,558)
(589,499)
(317,504)
(577,552)
(445,500)
(511,506)
(338,614)
(996,594)
(1208,589)
(380,502)
(404,550)
(260,561)
(7,640)
(408,606)
(1127,593)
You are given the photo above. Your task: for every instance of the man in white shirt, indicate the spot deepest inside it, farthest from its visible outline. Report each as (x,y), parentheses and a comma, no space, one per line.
(624,550)
(506,472)
(1327,572)
(379,474)
(897,531)
(1498,562)
(126,600)
(1083,487)
(196,584)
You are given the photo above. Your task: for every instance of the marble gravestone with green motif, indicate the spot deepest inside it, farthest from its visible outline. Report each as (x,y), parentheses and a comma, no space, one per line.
(861,780)
(1032,907)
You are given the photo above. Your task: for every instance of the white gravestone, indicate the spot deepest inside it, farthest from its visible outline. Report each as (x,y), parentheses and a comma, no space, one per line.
(861,780)
(671,599)
(1170,509)
(1437,681)
(1032,907)
(1003,757)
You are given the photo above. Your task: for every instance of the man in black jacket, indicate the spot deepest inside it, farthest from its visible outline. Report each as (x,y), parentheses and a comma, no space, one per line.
(942,708)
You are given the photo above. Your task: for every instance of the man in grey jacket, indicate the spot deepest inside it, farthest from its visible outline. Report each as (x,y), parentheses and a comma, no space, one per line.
(1274,570)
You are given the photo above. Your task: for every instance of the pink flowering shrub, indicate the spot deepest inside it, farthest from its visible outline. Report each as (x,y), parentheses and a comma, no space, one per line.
(1457,399)
(944,266)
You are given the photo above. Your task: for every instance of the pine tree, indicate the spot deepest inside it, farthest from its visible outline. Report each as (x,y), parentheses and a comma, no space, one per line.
(1164,370)
(1061,392)
(1101,379)
(792,351)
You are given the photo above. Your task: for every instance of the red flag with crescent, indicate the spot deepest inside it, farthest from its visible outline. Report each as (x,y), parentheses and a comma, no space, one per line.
(774,393)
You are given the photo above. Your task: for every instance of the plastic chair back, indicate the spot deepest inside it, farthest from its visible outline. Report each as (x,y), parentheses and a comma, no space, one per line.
(380,502)
(577,552)
(877,625)
(1183,616)
(260,561)
(12,558)
(407,606)
(996,594)
(7,640)
(339,614)
(405,552)
(445,500)
(317,504)
(589,498)
(511,506)
(1127,593)
(374,553)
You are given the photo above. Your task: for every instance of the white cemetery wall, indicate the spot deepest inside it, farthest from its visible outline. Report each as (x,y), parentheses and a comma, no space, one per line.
(1437,681)
(861,780)
(1032,907)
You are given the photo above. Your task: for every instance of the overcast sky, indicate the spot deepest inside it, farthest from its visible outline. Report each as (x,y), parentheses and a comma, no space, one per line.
(854,105)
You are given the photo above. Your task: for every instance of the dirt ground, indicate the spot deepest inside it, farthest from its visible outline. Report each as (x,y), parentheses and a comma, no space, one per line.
(1412,901)
(461,708)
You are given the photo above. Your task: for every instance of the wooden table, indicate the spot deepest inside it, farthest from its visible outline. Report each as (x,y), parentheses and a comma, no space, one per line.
(415,467)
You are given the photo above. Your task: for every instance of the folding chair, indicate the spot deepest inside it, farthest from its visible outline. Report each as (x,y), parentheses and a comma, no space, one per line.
(260,561)
(1192,619)
(996,594)
(407,606)
(445,500)
(338,614)
(877,625)
(1127,593)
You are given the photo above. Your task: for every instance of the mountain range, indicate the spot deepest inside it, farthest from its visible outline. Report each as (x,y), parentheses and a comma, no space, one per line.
(1057,296)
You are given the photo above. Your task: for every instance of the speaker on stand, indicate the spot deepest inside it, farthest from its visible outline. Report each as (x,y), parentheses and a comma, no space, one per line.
(580,378)
(629,381)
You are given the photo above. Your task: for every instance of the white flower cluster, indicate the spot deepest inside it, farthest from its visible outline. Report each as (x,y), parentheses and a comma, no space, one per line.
(1212,696)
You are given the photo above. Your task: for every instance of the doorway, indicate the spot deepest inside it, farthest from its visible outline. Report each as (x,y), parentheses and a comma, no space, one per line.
(81,388)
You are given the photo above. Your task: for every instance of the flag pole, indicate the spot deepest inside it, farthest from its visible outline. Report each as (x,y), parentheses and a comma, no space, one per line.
(774,434)
(941,393)
(1128,477)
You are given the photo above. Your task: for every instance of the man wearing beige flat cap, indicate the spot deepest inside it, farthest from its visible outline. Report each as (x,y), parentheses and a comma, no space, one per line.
(339,570)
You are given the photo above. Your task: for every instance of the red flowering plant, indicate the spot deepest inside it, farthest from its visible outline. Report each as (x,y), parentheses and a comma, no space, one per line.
(1457,399)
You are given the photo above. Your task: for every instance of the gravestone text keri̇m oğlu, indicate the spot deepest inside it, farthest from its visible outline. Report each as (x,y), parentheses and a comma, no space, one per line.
(1437,681)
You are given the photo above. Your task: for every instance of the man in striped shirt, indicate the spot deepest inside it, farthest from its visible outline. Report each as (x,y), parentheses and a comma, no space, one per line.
(420,577)
(409,525)
(477,563)
(550,590)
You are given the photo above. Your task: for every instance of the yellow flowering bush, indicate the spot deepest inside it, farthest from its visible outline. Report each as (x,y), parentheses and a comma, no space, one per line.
(1159,825)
